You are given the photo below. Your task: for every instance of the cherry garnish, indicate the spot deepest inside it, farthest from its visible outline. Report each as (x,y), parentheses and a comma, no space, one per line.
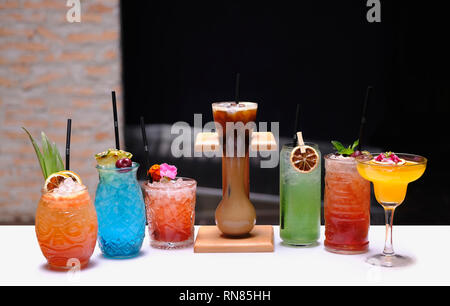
(356,153)
(124,163)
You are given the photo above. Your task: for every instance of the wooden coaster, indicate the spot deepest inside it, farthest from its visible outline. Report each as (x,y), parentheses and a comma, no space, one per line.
(211,240)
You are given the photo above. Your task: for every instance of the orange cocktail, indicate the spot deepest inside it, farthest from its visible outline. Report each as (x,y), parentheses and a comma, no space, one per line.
(66,227)
(390,174)
(171,212)
(66,221)
(390,182)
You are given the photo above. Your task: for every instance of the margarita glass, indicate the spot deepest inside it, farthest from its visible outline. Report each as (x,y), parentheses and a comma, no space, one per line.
(390,181)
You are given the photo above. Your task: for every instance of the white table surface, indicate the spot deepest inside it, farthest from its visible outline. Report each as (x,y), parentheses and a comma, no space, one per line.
(22,263)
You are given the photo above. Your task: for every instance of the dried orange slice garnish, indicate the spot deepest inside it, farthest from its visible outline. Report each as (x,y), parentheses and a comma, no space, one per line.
(72,175)
(54,180)
(306,161)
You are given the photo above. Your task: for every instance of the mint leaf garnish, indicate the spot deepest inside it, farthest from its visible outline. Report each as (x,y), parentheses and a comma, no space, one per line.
(338,146)
(355,144)
(343,150)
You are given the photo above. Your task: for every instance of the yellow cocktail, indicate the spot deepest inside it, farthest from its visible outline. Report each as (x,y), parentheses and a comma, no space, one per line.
(390,174)
(391,181)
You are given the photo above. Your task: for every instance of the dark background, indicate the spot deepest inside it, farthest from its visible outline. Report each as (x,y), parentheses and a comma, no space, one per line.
(179,56)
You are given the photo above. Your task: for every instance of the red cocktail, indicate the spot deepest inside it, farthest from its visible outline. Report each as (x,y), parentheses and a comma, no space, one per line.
(171,212)
(347,206)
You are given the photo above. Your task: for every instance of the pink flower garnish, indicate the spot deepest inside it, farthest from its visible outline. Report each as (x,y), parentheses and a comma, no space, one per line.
(168,171)
(395,158)
(380,157)
(389,158)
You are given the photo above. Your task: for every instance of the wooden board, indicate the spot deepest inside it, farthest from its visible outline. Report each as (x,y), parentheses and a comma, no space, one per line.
(260,141)
(263,142)
(207,142)
(211,240)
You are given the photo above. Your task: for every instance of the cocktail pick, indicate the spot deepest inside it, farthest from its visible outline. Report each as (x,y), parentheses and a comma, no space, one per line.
(236,92)
(300,142)
(69,131)
(297,123)
(363,115)
(116,123)
(144,140)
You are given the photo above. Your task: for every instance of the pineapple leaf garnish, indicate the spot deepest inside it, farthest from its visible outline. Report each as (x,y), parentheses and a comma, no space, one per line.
(46,151)
(38,153)
(59,162)
(49,158)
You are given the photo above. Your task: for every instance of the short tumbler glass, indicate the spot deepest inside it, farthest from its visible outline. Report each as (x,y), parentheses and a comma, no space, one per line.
(171,212)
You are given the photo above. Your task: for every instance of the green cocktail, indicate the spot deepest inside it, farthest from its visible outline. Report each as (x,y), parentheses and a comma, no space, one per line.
(299,198)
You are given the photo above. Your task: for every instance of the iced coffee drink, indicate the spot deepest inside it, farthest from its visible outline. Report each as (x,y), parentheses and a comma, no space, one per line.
(235,215)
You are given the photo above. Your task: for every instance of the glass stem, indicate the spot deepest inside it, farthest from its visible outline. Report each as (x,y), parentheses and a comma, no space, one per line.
(388,246)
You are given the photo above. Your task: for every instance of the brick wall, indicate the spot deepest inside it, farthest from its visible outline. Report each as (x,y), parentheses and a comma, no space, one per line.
(51,70)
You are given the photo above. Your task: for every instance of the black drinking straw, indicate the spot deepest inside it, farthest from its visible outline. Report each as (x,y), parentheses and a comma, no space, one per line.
(69,131)
(144,139)
(238,76)
(363,116)
(116,123)
(296,124)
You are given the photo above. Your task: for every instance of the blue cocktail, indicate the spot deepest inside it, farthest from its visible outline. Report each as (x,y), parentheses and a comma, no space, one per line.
(120,211)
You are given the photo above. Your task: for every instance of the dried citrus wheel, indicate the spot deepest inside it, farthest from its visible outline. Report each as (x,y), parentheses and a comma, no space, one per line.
(304,162)
(72,175)
(54,180)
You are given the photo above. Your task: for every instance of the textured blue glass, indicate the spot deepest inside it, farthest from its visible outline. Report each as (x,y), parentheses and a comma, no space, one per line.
(120,212)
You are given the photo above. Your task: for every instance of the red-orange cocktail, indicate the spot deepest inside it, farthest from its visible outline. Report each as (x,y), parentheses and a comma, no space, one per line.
(347,206)
(171,212)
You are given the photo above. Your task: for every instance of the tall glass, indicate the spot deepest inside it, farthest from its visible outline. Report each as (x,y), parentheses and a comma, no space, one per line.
(121,212)
(347,206)
(235,214)
(171,213)
(300,201)
(390,182)
(66,228)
